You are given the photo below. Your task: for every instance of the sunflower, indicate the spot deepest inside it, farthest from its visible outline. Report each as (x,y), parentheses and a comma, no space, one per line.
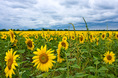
(4,37)
(15,42)
(10,59)
(109,57)
(43,35)
(81,39)
(12,36)
(48,36)
(91,37)
(64,44)
(30,44)
(64,38)
(116,35)
(97,40)
(51,39)
(36,37)
(59,54)
(103,36)
(73,37)
(43,59)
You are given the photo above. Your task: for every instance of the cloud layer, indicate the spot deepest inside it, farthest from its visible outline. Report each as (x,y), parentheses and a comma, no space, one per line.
(25,14)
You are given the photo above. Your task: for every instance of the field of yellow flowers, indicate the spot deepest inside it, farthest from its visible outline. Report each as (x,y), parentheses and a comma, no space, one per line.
(58,54)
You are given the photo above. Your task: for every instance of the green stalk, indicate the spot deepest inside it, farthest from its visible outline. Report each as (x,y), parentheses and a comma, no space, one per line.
(17,71)
(96,71)
(73,28)
(67,66)
(2,69)
(54,69)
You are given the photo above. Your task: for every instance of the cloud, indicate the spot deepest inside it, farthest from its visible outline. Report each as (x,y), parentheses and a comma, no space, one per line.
(35,14)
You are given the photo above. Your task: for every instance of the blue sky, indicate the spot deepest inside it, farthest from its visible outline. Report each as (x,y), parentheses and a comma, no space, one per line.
(56,14)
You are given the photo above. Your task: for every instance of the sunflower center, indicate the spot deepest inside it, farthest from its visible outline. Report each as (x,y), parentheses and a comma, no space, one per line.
(43,58)
(12,35)
(63,44)
(109,57)
(73,37)
(117,35)
(5,36)
(81,38)
(29,43)
(36,36)
(91,36)
(103,36)
(10,61)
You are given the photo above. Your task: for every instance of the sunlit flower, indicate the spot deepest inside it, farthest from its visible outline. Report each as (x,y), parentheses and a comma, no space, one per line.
(30,44)
(43,59)
(81,39)
(4,37)
(103,36)
(12,36)
(60,54)
(64,38)
(64,44)
(109,57)
(10,59)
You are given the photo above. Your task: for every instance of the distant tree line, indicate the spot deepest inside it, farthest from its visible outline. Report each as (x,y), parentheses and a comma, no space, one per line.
(43,29)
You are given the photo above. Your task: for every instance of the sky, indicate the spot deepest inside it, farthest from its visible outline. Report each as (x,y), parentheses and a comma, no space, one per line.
(57,14)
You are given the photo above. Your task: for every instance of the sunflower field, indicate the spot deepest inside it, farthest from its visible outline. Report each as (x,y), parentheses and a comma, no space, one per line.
(58,54)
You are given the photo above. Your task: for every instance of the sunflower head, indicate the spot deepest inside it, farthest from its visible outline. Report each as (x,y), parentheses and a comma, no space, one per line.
(97,40)
(81,39)
(60,54)
(36,37)
(43,59)
(12,36)
(64,38)
(73,37)
(109,57)
(116,35)
(10,59)
(103,36)
(4,37)
(30,44)
(64,44)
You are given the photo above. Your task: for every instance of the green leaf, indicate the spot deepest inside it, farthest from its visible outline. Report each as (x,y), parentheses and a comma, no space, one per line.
(75,66)
(80,75)
(95,58)
(19,63)
(45,74)
(68,54)
(21,51)
(96,62)
(91,76)
(91,68)
(73,59)
(22,72)
(62,69)
(39,76)
(102,69)
(111,75)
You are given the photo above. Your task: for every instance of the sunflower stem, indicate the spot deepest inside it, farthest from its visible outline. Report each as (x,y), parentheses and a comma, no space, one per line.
(2,69)
(96,71)
(54,69)
(67,66)
(17,71)
(73,28)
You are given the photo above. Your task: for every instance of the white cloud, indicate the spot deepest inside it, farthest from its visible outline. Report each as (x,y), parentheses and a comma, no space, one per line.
(40,13)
